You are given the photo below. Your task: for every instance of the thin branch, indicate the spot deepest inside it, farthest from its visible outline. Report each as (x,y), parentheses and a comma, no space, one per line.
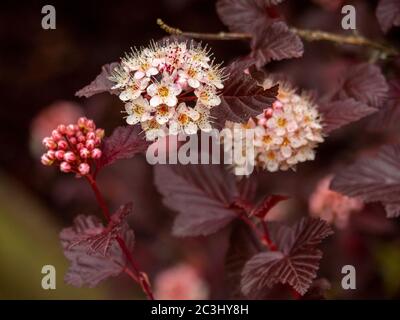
(307,35)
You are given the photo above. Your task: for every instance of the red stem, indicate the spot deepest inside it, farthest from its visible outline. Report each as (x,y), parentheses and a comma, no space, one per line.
(271,245)
(99,197)
(138,276)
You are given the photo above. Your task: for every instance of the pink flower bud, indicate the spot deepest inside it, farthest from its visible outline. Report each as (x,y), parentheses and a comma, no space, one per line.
(84,153)
(84,169)
(56,135)
(45,160)
(62,129)
(73,140)
(100,133)
(90,144)
(60,154)
(70,131)
(51,154)
(277,104)
(65,167)
(79,146)
(62,144)
(268,113)
(49,143)
(81,138)
(91,135)
(90,125)
(82,122)
(97,141)
(69,156)
(96,153)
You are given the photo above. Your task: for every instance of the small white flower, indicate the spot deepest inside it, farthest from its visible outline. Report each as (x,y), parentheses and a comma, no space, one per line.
(203,122)
(184,120)
(153,129)
(214,77)
(208,96)
(134,89)
(164,113)
(164,92)
(191,74)
(138,110)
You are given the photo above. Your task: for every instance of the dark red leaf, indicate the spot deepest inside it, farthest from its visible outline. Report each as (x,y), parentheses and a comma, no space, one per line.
(201,194)
(336,114)
(245,15)
(241,249)
(388,14)
(296,263)
(102,83)
(365,83)
(101,241)
(275,42)
(266,205)
(373,179)
(242,98)
(124,143)
(90,267)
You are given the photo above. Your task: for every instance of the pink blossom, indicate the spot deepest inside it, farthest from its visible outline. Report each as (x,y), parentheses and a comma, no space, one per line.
(180,282)
(332,206)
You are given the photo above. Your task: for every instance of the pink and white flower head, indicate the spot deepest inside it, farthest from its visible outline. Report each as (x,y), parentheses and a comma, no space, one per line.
(73,148)
(167,75)
(287,133)
(332,206)
(180,282)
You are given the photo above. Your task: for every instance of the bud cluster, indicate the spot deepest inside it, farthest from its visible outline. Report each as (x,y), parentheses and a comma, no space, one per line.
(72,147)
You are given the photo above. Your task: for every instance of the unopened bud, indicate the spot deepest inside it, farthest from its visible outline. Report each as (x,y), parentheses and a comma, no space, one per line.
(49,143)
(45,160)
(60,154)
(62,129)
(65,167)
(69,156)
(84,153)
(62,144)
(84,169)
(56,135)
(90,144)
(96,153)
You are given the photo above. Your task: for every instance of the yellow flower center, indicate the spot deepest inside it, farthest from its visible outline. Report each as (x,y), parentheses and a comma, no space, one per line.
(163,110)
(271,155)
(183,118)
(281,122)
(163,92)
(137,108)
(267,139)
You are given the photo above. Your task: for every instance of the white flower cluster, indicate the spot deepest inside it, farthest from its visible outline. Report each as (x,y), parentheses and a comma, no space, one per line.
(169,88)
(285,134)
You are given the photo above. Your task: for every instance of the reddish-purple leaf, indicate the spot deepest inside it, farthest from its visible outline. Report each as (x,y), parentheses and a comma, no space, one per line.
(241,249)
(266,205)
(102,83)
(100,241)
(124,143)
(245,15)
(201,194)
(90,267)
(336,114)
(365,83)
(296,263)
(388,14)
(242,98)
(275,42)
(388,118)
(373,179)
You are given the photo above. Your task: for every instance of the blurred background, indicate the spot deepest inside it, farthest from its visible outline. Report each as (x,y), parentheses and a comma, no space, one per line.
(40,70)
